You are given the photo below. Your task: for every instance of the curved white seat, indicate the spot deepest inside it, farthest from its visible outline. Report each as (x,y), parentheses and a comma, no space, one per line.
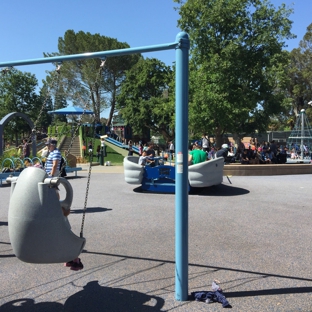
(132,170)
(39,233)
(207,173)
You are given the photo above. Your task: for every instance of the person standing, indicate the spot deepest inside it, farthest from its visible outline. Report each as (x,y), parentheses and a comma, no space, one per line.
(84,149)
(103,147)
(26,149)
(140,148)
(205,143)
(102,143)
(53,160)
(98,152)
(171,149)
(150,151)
(130,149)
(90,149)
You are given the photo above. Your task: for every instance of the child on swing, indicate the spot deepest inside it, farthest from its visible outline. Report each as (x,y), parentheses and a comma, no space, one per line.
(52,168)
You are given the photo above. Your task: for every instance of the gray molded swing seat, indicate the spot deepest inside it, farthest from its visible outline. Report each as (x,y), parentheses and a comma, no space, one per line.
(133,171)
(207,173)
(39,233)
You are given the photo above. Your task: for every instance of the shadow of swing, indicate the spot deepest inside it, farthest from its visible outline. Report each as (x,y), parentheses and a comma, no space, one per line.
(101,298)
(93,297)
(90,210)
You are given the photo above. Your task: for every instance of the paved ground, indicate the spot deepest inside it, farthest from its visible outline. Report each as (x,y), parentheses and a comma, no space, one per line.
(254,235)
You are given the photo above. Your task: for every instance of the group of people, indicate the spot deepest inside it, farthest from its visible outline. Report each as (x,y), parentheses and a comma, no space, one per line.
(261,152)
(253,153)
(295,151)
(198,153)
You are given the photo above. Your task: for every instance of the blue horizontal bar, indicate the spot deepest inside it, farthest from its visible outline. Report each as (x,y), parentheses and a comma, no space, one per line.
(88,55)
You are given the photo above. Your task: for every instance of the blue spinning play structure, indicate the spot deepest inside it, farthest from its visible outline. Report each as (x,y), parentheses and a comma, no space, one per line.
(181,46)
(161,178)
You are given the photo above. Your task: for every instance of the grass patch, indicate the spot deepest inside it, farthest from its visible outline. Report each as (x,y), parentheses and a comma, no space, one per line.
(114,157)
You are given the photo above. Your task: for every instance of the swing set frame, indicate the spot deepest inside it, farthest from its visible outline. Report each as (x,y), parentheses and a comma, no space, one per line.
(181,45)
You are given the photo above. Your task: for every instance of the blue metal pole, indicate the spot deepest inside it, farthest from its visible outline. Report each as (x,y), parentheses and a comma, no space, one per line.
(181,164)
(102,54)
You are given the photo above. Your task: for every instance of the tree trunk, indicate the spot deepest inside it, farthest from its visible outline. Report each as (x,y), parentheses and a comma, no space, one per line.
(219,137)
(237,139)
(113,105)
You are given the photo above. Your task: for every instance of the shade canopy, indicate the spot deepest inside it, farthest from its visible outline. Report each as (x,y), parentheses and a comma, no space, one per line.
(71,110)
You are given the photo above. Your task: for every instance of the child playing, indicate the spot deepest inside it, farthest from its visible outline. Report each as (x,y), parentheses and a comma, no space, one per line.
(144,159)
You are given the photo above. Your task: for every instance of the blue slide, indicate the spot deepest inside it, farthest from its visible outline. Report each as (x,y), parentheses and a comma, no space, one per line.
(119,144)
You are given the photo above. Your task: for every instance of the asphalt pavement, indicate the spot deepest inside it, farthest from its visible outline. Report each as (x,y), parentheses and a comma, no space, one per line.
(252,233)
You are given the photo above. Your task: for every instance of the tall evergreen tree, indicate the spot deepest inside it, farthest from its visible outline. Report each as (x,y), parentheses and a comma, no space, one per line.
(83,82)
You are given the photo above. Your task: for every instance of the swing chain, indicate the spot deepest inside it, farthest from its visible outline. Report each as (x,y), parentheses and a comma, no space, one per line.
(90,160)
(74,134)
(86,198)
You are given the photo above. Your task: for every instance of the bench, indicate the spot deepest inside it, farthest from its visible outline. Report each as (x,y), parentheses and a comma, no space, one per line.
(73,169)
(5,175)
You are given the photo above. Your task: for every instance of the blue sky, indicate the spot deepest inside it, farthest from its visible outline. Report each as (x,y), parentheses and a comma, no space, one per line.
(29,28)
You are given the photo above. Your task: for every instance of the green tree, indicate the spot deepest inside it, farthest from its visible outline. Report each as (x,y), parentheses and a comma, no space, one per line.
(18,94)
(84,83)
(237,63)
(300,73)
(144,100)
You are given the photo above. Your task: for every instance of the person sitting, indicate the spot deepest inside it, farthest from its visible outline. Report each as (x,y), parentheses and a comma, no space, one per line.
(197,155)
(211,153)
(52,168)
(267,158)
(245,157)
(145,160)
(223,152)
(293,154)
